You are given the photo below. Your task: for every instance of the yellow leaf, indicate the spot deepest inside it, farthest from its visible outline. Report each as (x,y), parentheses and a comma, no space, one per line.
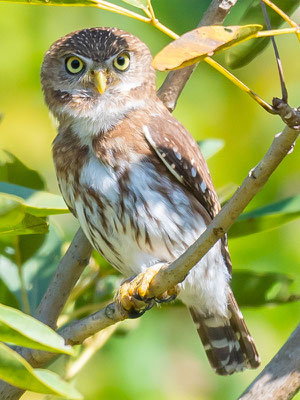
(202,42)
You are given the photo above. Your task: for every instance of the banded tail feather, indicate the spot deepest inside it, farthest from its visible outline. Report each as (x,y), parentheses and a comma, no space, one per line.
(228,344)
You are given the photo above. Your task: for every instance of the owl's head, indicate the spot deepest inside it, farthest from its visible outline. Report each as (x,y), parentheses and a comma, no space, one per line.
(96,68)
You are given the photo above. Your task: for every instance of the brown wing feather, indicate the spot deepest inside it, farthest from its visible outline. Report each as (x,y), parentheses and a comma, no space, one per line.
(179,151)
(176,147)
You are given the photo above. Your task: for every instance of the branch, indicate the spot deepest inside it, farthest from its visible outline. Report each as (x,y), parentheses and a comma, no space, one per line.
(280,379)
(169,275)
(176,80)
(67,274)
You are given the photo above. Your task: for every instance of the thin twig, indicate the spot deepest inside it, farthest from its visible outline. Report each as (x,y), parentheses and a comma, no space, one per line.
(283,15)
(284,92)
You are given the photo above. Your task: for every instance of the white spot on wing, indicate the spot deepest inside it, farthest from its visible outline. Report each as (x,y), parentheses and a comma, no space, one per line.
(219,344)
(203,186)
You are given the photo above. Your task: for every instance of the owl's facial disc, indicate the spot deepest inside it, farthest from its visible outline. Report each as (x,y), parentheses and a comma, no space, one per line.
(97,72)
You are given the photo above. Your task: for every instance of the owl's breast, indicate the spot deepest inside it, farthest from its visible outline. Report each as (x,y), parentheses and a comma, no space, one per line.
(133,216)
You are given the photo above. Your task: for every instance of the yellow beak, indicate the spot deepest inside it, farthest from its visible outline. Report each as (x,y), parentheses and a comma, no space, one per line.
(100,81)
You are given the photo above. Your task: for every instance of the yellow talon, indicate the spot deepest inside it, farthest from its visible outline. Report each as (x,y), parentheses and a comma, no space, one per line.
(134,297)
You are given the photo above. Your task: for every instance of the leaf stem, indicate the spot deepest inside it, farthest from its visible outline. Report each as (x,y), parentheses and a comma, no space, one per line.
(24,295)
(240,84)
(150,10)
(164,29)
(275,32)
(284,16)
(105,5)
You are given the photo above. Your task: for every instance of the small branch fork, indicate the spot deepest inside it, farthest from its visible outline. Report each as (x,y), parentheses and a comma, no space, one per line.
(76,258)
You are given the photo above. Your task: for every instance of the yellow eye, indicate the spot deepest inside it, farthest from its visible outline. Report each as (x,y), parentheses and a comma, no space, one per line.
(122,61)
(74,65)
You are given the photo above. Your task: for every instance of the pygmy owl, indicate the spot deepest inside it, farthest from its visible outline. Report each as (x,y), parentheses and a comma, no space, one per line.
(136,179)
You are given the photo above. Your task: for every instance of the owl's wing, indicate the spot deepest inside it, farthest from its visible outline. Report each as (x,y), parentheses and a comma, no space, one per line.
(180,153)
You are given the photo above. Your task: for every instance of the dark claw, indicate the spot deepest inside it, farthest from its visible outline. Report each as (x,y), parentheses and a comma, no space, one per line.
(132,314)
(138,297)
(167,300)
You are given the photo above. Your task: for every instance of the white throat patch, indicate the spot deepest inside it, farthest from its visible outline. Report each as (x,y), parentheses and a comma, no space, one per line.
(103,117)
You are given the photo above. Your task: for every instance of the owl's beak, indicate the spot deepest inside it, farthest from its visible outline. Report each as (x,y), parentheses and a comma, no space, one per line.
(100,81)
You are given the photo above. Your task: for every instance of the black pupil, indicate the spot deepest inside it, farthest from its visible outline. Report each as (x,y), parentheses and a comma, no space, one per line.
(75,64)
(121,61)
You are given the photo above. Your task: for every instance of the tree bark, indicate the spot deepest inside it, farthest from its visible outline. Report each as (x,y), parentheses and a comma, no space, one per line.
(280,379)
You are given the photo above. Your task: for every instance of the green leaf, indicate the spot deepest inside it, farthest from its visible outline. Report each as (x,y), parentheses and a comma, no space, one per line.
(17,371)
(37,271)
(24,330)
(14,171)
(267,217)
(241,55)
(137,3)
(199,43)
(38,203)
(14,221)
(253,289)
(29,225)
(209,147)
(6,296)
(16,216)
(11,211)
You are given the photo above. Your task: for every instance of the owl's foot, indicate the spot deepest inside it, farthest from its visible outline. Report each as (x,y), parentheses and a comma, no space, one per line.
(129,299)
(143,289)
(134,295)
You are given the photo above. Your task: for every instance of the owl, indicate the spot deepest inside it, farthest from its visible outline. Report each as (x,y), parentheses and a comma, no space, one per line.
(136,180)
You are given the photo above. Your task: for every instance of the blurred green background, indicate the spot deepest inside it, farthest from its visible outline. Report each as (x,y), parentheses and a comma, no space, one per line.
(162,357)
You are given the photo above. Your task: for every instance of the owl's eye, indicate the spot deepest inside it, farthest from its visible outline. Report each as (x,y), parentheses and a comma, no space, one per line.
(122,61)
(74,65)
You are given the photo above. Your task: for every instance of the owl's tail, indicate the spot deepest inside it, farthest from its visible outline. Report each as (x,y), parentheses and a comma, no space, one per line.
(228,344)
